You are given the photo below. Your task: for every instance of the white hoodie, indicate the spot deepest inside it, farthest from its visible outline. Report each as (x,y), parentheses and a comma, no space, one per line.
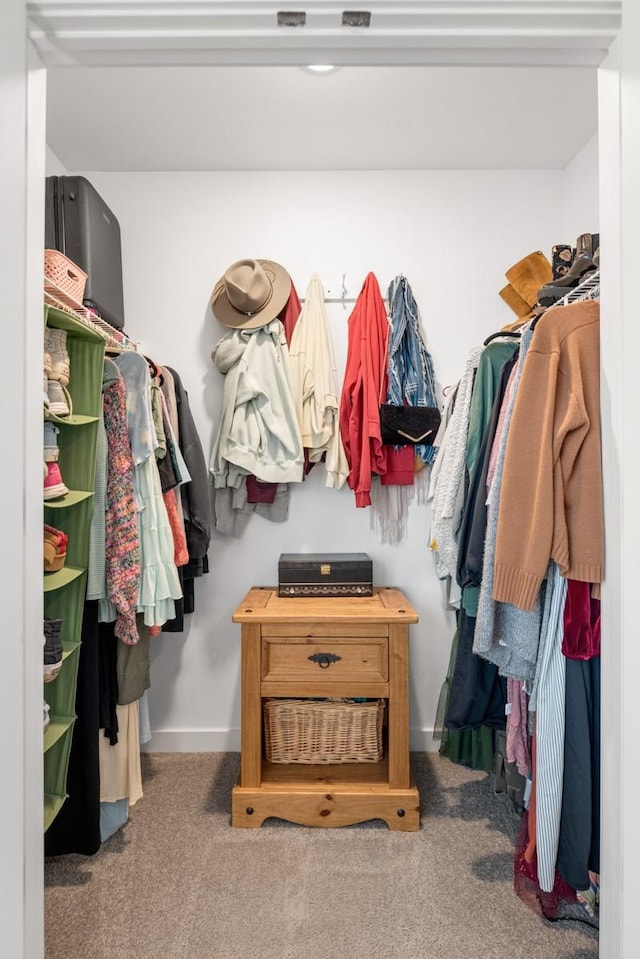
(258,432)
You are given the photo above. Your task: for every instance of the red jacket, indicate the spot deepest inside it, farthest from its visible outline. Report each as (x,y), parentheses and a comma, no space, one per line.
(365,381)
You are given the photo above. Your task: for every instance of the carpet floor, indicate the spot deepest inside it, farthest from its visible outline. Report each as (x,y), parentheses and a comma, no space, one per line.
(177,882)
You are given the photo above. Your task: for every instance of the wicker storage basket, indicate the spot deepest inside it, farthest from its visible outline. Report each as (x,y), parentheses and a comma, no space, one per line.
(328,731)
(64,274)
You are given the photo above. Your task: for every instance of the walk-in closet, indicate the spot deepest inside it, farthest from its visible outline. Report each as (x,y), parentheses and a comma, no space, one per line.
(426,153)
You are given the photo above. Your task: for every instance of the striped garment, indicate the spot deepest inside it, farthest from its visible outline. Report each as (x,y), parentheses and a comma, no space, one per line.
(549,699)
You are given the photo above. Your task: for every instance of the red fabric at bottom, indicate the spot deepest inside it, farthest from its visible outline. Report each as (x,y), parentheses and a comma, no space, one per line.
(400,466)
(525,881)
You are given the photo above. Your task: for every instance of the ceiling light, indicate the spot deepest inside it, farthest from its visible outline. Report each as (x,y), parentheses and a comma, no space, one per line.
(321,67)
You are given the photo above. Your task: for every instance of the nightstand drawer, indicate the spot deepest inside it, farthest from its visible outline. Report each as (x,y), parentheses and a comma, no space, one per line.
(348,660)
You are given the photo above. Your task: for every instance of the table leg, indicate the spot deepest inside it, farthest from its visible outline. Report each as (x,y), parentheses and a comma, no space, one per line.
(399,777)
(251,718)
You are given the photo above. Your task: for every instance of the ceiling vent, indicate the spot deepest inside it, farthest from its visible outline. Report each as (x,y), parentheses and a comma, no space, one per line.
(291,18)
(356,18)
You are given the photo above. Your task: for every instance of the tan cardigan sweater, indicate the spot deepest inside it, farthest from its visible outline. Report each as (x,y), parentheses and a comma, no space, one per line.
(551,498)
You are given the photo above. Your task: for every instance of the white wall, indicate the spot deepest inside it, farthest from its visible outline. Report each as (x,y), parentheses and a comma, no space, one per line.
(580,194)
(453,234)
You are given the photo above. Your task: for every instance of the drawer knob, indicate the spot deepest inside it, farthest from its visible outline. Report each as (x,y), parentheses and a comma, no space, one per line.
(324,660)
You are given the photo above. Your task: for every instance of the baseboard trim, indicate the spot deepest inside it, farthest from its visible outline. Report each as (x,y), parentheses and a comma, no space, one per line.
(193,741)
(228,741)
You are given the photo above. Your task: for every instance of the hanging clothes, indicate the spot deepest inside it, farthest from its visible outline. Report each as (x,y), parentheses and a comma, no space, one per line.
(477,694)
(290,314)
(551,502)
(120,768)
(411,374)
(194,495)
(314,384)
(96,565)
(473,525)
(159,581)
(258,431)
(579,842)
(549,729)
(365,381)
(411,382)
(122,537)
(539,473)
(168,390)
(448,496)
(193,509)
(505,635)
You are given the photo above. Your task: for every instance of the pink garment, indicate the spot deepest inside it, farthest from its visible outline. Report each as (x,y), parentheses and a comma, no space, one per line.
(173,502)
(290,313)
(581,638)
(518,748)
(400,466)
(259,491)
(180,551)
(493,456)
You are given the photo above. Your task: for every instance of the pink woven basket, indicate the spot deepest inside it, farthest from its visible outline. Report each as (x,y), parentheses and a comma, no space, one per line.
(65,274)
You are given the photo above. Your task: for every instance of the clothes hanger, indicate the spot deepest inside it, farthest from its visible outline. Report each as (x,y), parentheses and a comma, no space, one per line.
(155,371)
(509,334)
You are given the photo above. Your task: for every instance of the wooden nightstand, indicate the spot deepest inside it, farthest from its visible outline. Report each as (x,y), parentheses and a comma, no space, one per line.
(370,638)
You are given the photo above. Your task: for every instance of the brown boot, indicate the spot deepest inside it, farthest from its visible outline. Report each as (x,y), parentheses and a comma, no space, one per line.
(586,246)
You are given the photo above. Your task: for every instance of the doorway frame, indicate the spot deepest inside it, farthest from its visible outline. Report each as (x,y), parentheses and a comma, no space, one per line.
(23,92)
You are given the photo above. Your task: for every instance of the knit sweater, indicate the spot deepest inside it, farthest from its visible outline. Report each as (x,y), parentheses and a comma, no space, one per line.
(446,508)
(551,500)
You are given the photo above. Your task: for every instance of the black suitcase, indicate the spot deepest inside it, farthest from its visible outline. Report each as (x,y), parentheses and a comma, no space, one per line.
(80,224)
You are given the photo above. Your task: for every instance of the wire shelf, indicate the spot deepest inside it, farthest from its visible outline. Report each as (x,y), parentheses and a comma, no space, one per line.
(115,340)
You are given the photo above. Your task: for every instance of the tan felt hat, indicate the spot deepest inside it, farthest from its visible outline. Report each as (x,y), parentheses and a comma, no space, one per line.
(250,293)
(528,275)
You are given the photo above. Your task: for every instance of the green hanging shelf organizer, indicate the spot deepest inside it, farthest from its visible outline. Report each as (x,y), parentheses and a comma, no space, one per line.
(64,590)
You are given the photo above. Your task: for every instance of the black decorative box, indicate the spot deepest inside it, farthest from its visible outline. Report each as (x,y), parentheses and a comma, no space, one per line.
(325,574)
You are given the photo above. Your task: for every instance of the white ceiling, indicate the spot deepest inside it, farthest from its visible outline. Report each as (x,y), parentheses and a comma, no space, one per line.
(284,118)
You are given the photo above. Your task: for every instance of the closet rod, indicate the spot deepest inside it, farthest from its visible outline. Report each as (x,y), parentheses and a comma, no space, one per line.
(334,299)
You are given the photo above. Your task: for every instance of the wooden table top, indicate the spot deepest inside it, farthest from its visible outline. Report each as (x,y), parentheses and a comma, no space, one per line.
(387,605)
